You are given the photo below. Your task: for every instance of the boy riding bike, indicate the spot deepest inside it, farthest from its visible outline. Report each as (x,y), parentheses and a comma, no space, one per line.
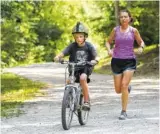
(79,51)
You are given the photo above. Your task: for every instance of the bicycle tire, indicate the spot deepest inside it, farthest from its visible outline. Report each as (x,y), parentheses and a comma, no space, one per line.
(82,114)
(67,95)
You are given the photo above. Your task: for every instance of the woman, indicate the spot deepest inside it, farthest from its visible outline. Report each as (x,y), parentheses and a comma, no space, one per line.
(123,62)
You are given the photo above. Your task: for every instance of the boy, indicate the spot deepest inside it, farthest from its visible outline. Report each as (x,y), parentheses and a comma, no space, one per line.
(81,50)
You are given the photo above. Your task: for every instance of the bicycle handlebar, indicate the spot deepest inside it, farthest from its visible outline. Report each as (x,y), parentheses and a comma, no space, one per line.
(77,64)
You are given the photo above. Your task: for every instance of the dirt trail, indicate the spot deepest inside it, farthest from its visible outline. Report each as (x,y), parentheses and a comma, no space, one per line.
(43,114)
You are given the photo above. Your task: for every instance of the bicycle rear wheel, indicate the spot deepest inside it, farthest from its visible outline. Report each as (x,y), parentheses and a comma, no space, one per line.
(82,114)
(67,109)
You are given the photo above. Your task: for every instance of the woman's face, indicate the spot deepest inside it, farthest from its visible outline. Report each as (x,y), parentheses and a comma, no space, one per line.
(124,18)
(79,38)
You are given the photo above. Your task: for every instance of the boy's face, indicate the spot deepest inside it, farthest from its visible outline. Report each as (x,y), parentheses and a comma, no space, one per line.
(79,38)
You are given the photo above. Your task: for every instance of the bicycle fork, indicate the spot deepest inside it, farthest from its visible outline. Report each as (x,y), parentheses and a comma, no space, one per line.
(76,99)
(73,99)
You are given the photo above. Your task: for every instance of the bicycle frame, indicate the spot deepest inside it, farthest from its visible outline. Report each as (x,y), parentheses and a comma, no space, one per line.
(73,98)
(76,89)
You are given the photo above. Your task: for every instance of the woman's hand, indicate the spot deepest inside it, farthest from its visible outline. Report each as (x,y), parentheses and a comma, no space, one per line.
(139,50)
(110,53)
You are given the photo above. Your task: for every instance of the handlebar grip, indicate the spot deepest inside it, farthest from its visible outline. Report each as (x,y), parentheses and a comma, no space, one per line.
(61,61)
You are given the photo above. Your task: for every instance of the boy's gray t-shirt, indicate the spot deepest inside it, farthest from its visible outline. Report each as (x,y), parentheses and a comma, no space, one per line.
(77,54)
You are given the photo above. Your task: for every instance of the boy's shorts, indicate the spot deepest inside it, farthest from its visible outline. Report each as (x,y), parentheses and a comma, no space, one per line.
(120,65)
(78,71)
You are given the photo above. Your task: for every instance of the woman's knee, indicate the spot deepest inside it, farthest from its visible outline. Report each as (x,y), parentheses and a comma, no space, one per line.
(124,85)
(118,90)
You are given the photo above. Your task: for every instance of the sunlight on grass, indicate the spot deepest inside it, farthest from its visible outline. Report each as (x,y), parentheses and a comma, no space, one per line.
(103,67)
(140,64)
(150,48)
(14,91)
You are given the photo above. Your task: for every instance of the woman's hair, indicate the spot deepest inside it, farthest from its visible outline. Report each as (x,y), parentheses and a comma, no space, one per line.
(129,14)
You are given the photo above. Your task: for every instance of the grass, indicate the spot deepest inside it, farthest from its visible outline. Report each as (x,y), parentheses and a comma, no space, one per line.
(14,91)
(147,63)
(103,67)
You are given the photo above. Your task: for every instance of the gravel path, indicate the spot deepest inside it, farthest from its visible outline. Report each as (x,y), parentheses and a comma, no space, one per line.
(43,114)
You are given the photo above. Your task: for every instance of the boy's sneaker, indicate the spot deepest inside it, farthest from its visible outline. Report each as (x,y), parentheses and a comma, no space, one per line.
(86,106)
(123,115)
(129,88)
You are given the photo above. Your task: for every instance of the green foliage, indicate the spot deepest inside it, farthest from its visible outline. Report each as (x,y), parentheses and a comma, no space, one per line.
(146,15)
(35,31)
(14,91)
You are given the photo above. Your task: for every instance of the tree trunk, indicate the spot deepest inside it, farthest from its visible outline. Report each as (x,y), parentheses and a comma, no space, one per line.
(116,12)
(128,4)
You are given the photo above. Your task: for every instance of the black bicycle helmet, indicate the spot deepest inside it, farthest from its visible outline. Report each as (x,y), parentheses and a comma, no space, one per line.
(80,28)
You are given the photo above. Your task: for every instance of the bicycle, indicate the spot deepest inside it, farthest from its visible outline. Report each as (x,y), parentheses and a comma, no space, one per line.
(73,98)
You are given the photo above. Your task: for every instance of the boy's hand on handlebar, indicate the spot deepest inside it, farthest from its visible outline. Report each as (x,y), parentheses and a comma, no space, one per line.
(57,59)
(94,62)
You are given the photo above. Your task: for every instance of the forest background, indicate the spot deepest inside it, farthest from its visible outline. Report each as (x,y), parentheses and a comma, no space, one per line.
(35,31)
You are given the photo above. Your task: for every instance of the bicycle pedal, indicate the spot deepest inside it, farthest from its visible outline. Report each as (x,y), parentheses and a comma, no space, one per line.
(86,108)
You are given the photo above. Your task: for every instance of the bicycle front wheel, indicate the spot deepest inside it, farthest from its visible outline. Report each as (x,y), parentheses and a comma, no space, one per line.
(82,114)
(67,109)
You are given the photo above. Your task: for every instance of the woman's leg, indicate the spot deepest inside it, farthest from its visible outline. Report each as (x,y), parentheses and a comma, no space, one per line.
(118,83)
(127,76)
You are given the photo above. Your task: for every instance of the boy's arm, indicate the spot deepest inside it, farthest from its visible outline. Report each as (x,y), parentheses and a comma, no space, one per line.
(65,52)
(94,54)
(59,56)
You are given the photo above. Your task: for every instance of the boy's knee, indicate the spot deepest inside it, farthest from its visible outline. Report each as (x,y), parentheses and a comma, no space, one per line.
(83,77)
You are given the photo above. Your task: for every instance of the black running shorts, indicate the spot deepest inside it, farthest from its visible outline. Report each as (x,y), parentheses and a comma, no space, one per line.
(120,65)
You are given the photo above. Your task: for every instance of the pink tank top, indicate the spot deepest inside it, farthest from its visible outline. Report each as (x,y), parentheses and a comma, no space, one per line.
(124,44)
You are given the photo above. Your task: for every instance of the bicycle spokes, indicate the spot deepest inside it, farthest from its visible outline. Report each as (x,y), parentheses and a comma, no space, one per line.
(82,113)
(67,109)
(73,103)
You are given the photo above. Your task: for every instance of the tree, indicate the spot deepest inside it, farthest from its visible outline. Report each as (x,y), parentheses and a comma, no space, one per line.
(34,31)
(117,12)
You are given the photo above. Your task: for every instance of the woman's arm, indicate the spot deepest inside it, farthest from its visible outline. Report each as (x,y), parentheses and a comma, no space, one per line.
(139,41)
(138,38)
(109,41)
